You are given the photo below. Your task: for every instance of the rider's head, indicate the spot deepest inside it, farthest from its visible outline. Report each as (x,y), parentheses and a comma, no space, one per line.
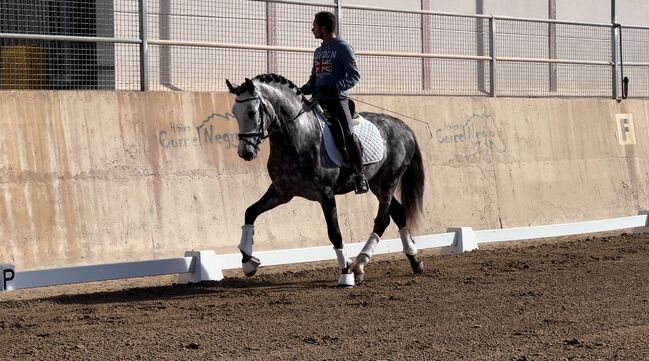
(324,25)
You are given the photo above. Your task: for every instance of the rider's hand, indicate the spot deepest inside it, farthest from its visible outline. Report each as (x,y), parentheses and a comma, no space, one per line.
(306,90)
(308,104)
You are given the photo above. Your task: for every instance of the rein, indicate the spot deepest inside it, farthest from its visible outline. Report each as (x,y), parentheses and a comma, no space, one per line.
(259,133)
(397,113)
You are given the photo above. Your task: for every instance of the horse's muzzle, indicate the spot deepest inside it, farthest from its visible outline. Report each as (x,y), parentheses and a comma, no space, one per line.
(247,152)
(248,156)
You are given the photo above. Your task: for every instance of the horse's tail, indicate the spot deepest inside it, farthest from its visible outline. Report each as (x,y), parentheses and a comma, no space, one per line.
(412,189)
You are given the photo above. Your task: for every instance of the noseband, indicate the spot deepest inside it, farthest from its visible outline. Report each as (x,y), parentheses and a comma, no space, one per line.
(256,137)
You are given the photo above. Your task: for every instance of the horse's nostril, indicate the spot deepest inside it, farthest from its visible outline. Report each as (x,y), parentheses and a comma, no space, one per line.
(247,155)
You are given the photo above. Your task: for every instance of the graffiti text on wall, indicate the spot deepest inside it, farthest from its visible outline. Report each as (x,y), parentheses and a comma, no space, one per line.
(179,135)
(479,129)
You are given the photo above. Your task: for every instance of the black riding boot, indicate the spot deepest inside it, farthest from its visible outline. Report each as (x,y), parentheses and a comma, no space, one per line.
(339,110)
(356,159)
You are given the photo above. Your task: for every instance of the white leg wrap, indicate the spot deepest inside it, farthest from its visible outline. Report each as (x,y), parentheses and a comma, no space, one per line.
(346,278)
(364,257)
(246,243)
(409,247)
(343,260)
(370,245)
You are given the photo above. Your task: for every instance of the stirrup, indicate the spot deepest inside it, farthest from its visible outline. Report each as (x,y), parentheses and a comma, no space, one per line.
(360,184)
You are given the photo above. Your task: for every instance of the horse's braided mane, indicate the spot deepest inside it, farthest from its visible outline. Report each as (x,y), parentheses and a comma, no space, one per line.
(276,78)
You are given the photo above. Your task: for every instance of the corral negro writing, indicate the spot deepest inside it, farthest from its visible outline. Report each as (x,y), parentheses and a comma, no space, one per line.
(179,135)
(479,129)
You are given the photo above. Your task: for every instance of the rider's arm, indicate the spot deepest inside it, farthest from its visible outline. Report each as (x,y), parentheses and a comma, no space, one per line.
(307,88)
(352,75)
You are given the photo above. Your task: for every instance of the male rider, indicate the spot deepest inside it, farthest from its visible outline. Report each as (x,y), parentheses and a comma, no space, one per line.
(334,72)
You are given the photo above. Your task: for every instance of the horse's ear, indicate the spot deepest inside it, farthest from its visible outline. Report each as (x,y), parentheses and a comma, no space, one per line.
(248,85)
(232,89)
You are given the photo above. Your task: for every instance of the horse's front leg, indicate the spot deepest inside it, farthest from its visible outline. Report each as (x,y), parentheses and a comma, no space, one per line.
(271,199)
(328,205)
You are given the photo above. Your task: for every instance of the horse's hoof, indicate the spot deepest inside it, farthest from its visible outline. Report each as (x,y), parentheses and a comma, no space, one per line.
(359,272)
(416,264)
(359,267)
(251,273)
(250,267)
(346,280)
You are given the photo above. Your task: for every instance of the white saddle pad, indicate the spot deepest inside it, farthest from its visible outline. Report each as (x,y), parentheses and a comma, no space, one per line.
(367,133)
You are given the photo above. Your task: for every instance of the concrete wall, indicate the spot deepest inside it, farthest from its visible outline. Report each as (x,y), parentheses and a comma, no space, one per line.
(90,177)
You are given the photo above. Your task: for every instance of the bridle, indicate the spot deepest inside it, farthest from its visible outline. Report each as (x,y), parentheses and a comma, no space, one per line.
(256,137)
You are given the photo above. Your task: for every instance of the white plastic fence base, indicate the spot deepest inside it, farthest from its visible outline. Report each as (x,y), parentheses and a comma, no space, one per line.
(206,268)
(199,266)
(195,267)
(465,241)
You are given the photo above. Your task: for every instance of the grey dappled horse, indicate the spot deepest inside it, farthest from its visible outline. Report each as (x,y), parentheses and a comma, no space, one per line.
(270,106)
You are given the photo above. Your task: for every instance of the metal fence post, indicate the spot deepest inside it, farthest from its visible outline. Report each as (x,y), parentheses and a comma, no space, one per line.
(492,54)
(479,41)
(339,18)
(271,37)
(552,45)
(144,46)
(426,63)
(614,32)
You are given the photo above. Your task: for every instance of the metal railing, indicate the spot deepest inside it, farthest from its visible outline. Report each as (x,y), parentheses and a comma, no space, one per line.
(161,45)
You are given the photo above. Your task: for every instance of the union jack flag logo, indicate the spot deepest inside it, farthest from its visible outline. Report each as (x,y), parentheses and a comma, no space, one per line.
(322,65)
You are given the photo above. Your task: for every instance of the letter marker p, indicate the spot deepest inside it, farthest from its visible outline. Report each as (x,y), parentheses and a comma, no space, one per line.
(8,273)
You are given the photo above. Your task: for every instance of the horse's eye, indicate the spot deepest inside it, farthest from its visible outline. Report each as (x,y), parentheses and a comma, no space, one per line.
(251,114)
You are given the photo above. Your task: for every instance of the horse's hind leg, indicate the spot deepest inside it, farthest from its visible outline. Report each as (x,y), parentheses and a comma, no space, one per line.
(395,210)
(271,199)
(398,214)
(381,222)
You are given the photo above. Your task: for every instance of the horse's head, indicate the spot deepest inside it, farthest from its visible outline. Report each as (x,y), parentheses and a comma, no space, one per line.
(254,115)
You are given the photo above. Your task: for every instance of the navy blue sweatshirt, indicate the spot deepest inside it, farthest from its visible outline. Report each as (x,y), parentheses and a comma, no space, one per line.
(334,69)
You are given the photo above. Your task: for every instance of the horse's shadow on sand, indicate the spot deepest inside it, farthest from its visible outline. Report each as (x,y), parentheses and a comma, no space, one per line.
(234,286)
